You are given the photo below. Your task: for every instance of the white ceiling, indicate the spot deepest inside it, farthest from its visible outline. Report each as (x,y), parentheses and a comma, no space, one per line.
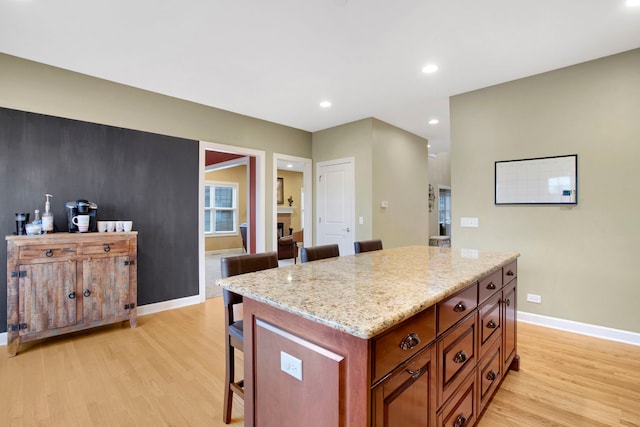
(277,59)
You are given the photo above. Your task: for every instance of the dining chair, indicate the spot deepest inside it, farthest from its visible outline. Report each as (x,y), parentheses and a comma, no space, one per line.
(315,253)
(367,245)
(234,328)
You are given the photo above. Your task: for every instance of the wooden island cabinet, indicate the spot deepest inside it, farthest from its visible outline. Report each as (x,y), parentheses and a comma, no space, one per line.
(416,336)
(63,282)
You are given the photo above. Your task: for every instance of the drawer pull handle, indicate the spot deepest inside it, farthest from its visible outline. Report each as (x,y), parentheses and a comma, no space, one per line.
(460,421)
(509,273)
(49,253)
(459,307)
(491,286)
(414,374)
(491,324)
(410,341)
(87,293)
(491,375)
(106,247)
(72,295)
(507,302)
(460,357)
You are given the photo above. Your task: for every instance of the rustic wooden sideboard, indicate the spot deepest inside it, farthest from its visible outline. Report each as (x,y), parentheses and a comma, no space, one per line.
(63,282)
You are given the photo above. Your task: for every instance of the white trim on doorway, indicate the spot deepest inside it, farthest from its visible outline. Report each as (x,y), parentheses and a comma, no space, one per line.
(260,207)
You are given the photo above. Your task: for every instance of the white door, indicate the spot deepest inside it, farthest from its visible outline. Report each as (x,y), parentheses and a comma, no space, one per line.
(336,204)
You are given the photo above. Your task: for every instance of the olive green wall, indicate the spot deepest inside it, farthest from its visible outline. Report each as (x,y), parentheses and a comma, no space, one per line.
(34,87)
(579,259)
(238,175)
(390,164)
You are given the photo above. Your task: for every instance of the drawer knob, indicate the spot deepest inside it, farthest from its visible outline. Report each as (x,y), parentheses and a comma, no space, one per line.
(414,374)
(491,324)
(459,307)
(460,357)
(87,293)
(509,273)
(410,341)
(460,421)
(106,247)
(49,253)
(491,286)
(72,295)
(491,375)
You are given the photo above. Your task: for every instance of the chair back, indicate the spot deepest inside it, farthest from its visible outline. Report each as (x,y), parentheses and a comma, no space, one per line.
(241,264)
(367,245)
(315,253)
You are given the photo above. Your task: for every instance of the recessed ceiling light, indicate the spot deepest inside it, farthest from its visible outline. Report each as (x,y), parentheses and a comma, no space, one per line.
(428,145)
(289,165)
(431,68)
(434,121)
(633,3)
(325,104)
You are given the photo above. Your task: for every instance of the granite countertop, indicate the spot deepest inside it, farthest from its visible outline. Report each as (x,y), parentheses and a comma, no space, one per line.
(368,293)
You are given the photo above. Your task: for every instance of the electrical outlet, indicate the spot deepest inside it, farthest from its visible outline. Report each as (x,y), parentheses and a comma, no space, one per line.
(534,298)
(291,365)
(469,222)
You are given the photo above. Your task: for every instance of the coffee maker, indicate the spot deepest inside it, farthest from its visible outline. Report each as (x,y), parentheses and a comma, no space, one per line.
(82,207)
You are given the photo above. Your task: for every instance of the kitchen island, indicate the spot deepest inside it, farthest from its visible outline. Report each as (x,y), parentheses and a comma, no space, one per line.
(410,336)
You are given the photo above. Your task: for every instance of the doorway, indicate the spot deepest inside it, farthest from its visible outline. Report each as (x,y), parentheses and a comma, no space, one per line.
(444,210)
(255,202)
(302,202)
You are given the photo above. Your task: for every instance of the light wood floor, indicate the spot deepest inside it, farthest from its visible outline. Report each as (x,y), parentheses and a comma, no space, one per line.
(170,372)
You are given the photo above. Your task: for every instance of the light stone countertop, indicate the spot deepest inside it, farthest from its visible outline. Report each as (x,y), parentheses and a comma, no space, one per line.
(368,293)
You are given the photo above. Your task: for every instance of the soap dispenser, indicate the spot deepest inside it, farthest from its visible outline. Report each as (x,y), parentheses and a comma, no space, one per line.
(47,217)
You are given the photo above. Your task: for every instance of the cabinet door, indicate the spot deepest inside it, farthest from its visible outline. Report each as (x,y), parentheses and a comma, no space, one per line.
(509,311)
(47,298)
(105,288)
(403,399)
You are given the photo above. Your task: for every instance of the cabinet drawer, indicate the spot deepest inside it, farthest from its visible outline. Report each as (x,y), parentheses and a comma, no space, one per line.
(454,308)
(509,272)
(397,345)
(456,357)
(47,251)
(489,286)
(489,322)
(110,247)
(489,374)
(460,410)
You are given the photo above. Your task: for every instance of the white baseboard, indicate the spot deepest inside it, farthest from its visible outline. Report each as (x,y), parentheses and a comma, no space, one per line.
(147,309)
(603,332)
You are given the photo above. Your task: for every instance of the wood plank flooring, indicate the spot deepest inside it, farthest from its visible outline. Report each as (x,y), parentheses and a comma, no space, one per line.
(169,371)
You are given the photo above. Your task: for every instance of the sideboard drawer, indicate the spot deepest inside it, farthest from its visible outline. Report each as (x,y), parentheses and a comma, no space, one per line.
(489,286)
(457,306)
(110,247)
(45,251)
(397,345)
(509,272)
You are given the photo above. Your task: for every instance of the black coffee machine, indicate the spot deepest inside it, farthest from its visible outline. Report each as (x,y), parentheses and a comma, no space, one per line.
(82,207)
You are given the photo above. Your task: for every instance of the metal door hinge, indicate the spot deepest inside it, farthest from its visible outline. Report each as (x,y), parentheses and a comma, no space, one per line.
(17,326)
(127,262)
(18,274)
(130,306)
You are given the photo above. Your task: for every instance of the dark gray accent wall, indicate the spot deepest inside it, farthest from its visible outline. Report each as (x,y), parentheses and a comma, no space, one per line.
(148,178)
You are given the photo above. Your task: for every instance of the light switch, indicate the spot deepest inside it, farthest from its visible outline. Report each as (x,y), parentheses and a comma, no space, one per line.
(469,222)
(384,204)
(361,220)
